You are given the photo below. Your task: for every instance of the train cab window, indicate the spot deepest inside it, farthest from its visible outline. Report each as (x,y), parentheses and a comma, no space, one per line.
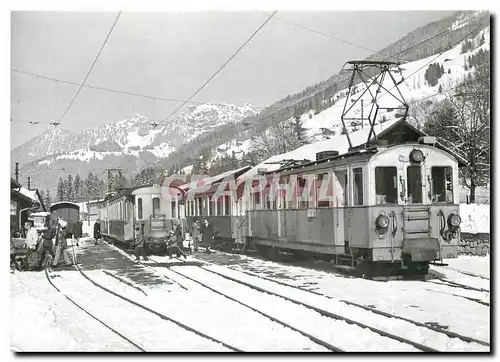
(139,208)
(156,206)
(442,185)
(357,192)
(414,180)
(386,185)
(227,205)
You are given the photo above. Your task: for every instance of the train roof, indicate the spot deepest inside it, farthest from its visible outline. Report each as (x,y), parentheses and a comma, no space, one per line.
(203,183)
(393,131)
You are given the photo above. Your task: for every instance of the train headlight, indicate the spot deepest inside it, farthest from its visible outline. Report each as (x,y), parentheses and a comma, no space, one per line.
(382,222)
(416,156)
(454,221)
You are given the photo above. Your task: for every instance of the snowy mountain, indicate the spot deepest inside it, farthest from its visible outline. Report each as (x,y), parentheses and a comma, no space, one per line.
(130,143)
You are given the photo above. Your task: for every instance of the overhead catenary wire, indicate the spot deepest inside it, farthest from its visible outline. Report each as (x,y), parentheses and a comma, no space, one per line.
(132,94)
(222,66)
(91,68)
(386,59)
(325,34)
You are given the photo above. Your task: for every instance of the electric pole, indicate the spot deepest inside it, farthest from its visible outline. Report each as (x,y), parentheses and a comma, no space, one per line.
(17,172)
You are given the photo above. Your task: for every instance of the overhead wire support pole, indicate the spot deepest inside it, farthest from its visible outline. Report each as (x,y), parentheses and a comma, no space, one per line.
(91,68)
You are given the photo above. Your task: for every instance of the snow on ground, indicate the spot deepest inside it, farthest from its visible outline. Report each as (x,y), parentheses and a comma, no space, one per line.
(87,155)
(400,328)
(469,264)
(149,331)
(221,318)
(42,320)
(162,150)
(411,299)
(475,218)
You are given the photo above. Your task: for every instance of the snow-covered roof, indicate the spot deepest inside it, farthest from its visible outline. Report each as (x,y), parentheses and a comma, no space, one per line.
(30,193)
(337,143)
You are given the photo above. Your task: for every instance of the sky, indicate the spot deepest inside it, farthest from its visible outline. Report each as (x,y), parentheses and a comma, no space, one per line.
(171,54)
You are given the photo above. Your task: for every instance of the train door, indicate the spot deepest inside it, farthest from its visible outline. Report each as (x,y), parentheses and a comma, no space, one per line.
(340,192)
(416,211)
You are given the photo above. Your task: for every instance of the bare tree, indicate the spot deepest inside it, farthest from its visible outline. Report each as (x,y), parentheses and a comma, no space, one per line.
(278,139)
(462,123)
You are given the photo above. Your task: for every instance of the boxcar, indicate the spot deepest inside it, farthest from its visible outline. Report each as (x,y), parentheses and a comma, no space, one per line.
(68,211)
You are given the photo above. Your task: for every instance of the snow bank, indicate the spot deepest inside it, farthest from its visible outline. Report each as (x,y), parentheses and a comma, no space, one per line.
(475,218)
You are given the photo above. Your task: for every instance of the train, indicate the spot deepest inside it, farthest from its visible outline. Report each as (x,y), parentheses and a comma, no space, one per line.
(68,211)
(386,208)
(142,207)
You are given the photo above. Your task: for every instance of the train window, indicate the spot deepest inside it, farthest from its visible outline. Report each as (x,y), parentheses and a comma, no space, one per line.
(219,205)
(173,208)
(340,189)
(210,206)
(256,201)
(139,208)
(442,185)
(156,206)
(414,180)
(386,186)
(227,205)
(357,186)
(322,186)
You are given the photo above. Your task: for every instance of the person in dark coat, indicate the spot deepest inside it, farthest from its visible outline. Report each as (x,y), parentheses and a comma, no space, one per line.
(195,234)
(46,246)
(97,230)
(208,235)
(140,245)
(78,231)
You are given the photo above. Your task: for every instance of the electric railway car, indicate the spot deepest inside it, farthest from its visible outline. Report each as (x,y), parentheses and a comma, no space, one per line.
(392,208)
(144,207)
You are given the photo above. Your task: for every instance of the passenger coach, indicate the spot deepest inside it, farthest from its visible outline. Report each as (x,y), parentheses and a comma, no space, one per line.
(146,207)
(393,207)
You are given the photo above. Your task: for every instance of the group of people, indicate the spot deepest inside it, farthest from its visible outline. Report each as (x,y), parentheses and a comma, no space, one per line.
(52,242)
(200,233)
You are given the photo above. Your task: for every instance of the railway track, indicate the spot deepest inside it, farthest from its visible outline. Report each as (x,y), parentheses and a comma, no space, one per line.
(373,310)
(169,324)
(447,282)
(331,322)
(106,325)
(454,340)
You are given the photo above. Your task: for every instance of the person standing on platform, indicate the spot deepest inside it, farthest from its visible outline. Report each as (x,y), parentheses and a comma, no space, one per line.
(78,231)
(208,235)
(46,246)
(97,230)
